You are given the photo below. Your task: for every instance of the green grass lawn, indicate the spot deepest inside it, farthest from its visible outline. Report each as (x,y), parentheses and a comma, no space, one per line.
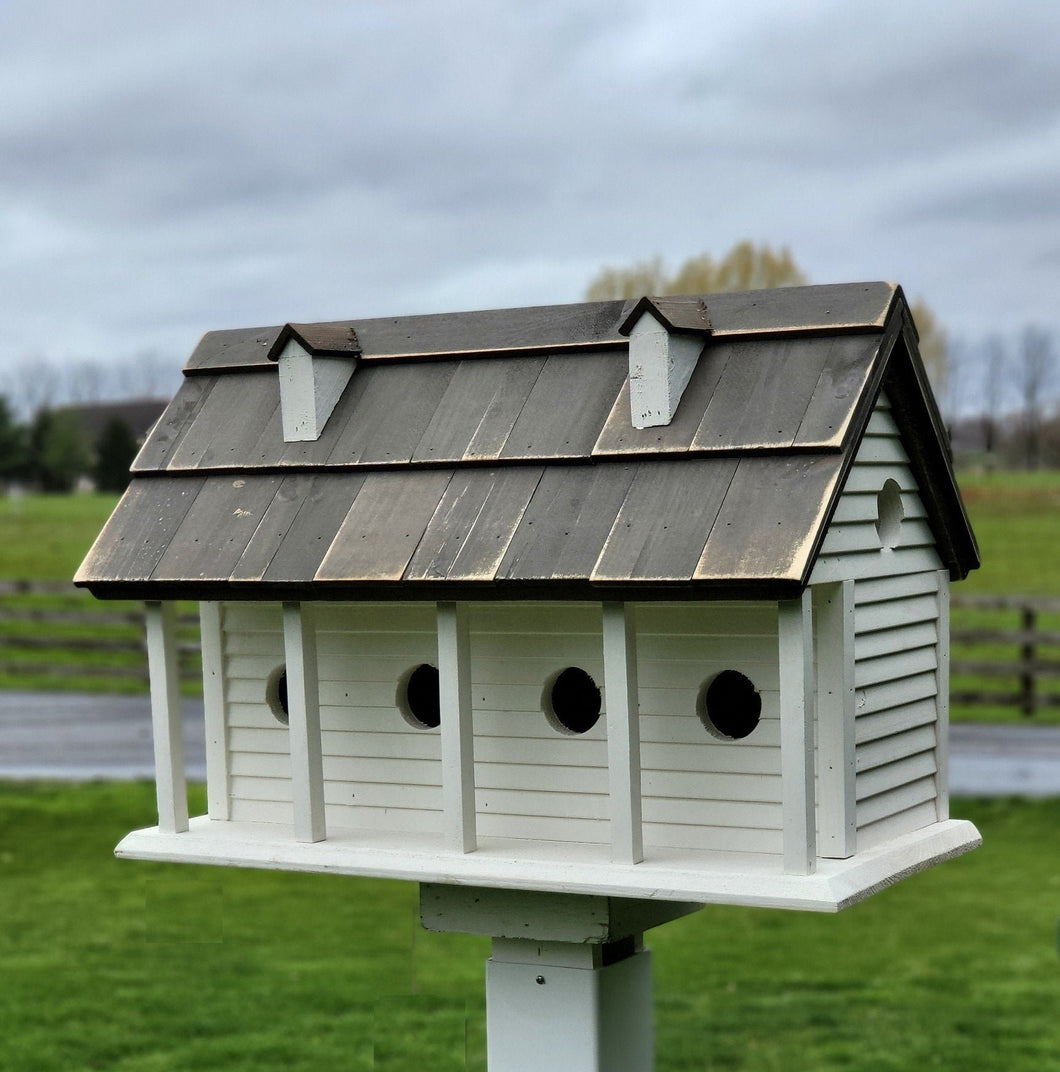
(1016,518)
(137,967)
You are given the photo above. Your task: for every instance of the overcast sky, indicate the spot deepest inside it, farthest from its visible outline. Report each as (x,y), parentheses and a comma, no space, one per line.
(169,168)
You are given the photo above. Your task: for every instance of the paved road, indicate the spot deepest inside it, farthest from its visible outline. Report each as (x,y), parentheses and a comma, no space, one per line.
(77,737)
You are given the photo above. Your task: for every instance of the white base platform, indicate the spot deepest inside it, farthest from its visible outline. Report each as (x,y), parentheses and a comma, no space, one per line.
(665,874)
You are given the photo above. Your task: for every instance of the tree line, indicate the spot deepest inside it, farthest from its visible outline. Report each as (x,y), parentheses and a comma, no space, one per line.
(51,451)
(999,396)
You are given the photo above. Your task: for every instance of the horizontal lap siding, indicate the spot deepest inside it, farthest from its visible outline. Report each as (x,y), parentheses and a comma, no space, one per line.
(532,781)
(259,754)
(701,792)
(379,772)
(896,639)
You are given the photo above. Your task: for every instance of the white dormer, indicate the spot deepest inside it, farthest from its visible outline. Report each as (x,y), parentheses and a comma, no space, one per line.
(666,337)
(313,374)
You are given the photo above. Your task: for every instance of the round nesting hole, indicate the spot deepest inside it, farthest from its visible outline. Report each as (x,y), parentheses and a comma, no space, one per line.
(729,706)
(417,697)
(276,695)
(889,514)
(571,701)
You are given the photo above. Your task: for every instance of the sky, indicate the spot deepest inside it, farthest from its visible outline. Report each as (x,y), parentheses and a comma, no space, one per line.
(168,169)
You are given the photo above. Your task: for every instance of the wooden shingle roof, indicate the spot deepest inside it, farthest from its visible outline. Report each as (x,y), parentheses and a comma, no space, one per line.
(492,453)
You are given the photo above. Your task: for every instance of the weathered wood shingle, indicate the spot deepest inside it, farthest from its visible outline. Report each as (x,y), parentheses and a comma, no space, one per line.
(494,453)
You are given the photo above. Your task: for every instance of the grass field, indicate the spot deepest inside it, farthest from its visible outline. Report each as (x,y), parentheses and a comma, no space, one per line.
(135,967)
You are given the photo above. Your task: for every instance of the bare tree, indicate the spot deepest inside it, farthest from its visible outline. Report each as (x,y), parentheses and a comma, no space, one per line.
(1036,361)
(85,382)
(993,384)
(35,384)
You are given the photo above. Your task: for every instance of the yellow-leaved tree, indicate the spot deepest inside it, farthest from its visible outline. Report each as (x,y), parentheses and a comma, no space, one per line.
(747,266)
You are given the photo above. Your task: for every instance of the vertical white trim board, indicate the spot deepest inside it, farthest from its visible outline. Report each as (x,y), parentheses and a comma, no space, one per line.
(836,767)
(942,725)
(213,695)
(166,722)
(796,734)
(623,732)
(454,698)
(303,702)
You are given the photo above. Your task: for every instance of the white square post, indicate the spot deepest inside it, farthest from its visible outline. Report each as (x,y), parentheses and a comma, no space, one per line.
(556,1005)
(166,722)
(213,698)
(836,774)
(623,732)
(303,703)
(454,698)
(796,734)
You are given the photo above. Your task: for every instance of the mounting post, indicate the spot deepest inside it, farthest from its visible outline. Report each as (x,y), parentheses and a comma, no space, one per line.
(569,982)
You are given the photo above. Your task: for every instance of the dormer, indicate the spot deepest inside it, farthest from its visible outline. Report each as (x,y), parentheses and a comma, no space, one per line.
(315,362)
(666,337)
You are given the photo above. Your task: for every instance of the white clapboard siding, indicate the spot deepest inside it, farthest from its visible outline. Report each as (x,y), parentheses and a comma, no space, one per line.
(515,650)
(380,773)
(897,637)
(686,729)
(901,772)
(913,818)
(700,792)
(895,720)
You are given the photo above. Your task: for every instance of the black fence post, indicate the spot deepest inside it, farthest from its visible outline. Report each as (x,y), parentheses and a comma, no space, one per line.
(1028,623)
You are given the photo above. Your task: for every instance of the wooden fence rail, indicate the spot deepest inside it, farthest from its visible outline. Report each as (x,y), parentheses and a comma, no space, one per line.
(51,631)
(57,631)
(1027,667)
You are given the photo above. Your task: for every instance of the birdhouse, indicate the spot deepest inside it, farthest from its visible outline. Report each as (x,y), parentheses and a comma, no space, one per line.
(643,599)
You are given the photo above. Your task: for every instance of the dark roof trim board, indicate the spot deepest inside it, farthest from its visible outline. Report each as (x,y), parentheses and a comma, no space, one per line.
(686,316)
(483,476)
(852,307)
(319,340)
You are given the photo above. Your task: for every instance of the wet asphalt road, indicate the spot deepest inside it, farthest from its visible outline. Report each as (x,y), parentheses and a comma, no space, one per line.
(82,737)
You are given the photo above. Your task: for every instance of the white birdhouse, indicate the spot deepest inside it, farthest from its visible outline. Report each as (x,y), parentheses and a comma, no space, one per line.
(626,600)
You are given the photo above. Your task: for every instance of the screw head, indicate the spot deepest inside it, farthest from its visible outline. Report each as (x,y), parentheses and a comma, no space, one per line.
(540,980)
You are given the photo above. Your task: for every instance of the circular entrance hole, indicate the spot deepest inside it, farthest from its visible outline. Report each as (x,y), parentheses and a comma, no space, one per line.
(889,514)
(276,695)
(571,701)
(729,706)
(417,697)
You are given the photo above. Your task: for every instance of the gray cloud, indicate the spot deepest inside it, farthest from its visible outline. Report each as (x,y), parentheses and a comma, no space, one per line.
(164,170)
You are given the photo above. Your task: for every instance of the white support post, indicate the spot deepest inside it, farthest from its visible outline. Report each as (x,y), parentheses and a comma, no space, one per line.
(623,732)
(454,697)
(213,695)
(796,734)
(303,704)
(942,716)
(836,774)
(557,1005)
(170,783)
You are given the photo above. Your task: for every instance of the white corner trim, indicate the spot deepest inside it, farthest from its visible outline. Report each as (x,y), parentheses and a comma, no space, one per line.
(797,695)
(660,366)
(310,387)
